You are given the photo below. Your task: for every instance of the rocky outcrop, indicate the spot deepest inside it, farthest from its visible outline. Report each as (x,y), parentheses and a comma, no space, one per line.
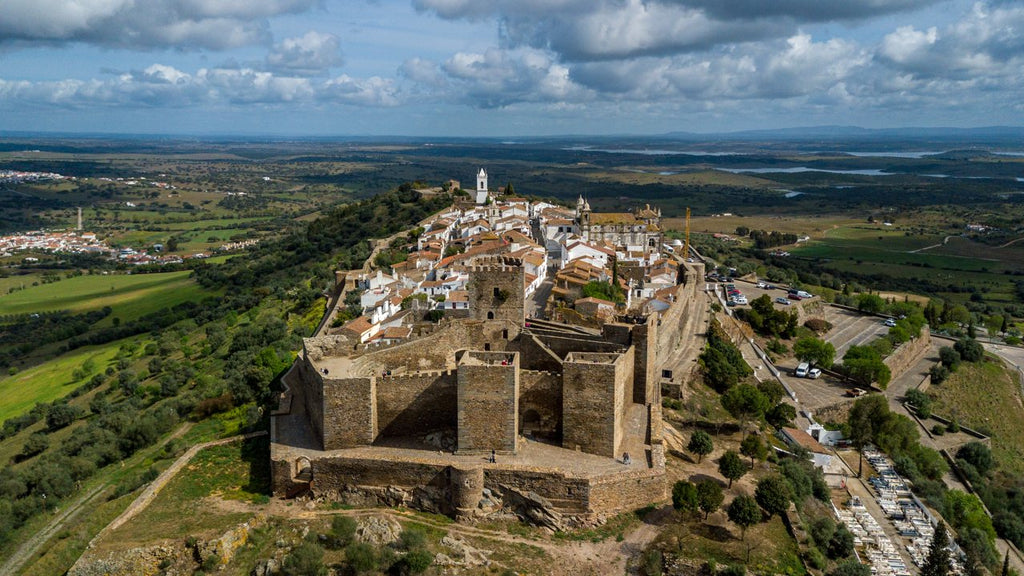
(378,530)
(170,559)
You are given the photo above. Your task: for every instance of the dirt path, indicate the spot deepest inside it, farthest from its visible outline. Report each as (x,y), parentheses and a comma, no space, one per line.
(151,491)
(943,243)
(33,544)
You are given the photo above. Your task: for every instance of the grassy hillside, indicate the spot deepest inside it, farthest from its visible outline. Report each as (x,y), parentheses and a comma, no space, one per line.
(986,396)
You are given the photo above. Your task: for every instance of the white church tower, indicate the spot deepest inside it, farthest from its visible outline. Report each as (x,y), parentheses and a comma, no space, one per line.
(481,187)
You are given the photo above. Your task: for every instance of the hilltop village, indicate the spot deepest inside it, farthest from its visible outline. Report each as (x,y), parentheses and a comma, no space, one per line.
(509,364)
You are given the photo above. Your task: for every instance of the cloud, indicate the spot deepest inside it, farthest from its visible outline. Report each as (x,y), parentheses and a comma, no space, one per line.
(187,24)
(309,55)
(585,30)
(985,45)
(161,86)
(496,78)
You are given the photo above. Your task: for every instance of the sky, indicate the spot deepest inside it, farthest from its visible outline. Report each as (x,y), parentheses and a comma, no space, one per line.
(506,68)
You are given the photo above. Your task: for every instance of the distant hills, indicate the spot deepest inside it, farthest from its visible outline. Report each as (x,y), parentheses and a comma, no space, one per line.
(986,134)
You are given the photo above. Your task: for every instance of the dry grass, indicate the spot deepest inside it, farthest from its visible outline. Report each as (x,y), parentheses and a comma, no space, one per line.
(986,396)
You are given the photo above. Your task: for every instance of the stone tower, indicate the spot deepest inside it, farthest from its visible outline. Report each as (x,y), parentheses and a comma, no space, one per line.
(481,187)
(496,292)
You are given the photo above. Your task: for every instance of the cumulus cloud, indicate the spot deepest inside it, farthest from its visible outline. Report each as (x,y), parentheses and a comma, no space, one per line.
(582,30)
(309,55)
(165,86)
(986,44)
(214,24)
(498,78)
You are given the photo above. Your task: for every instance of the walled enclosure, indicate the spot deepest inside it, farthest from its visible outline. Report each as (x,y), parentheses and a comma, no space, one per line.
(559,405)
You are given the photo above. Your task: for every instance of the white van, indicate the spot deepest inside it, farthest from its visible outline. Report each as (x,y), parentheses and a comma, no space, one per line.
(801,370)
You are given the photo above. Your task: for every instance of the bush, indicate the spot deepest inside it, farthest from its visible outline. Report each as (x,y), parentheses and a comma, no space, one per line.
(35,444)
(949,357)
(938,429)
(816,559)
(361,557)
(416,561)
(651,563)
(970,350)
(821,530)
(684,496)
(938,374)
(412,539)
(343,530)
(306,559)
(818,325)
(953,427)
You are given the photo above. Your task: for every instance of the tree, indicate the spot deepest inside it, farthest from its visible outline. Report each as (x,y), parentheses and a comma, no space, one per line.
(35,444)
(937,563)
(815,350)
(744,512)
(416,561)
(684,496)
(864,365)
(745,402)
(700,444)
(864,418)
(978,455)
(994,325)
(921,402)
(870,303)
(780,415)
(509,190)
(970,350)
(850,568)
(306,559)
(753,448)
(361,557)
(773,495)
(709,496)
(949,357)
(60,415)
(840,544)
(938,373)
(731,466)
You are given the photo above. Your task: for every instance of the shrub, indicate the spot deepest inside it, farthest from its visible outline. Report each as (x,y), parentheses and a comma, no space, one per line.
(938,373)
(651,563)
(361,557)
(306,559)
(343,530)
(970,350)
(416,561)
(938,429)
(412,539)
(684,496)
(953,427)
(818,325)
(816,559)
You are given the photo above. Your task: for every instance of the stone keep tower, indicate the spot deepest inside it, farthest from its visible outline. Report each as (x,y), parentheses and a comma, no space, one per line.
(496,292)
(481,187)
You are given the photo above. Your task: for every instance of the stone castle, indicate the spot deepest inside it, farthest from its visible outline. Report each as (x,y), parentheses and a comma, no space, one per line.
(489,413)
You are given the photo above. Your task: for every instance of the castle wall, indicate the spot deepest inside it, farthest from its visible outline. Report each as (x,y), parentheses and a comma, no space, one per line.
(562,345)
(627,491)
(313,398)
(349,412)
(533,355)
(567,494)
(594,393)
(416,404)
(488,402)
(540,404)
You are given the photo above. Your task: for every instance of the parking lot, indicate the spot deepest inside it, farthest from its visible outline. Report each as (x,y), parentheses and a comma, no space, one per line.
(752,292)
(852,329)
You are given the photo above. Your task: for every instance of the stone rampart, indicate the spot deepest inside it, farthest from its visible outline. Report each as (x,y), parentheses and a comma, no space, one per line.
(626,491)
(415,404)
(906,355)
(540,404)
(349,412)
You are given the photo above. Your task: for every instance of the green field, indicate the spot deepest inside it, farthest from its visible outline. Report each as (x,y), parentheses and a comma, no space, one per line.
(131,296)
(52,380)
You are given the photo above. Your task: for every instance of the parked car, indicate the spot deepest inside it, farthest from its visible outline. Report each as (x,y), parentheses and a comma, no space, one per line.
(762,285)
(803,294)
(814,373)
(783,300)
(740,299)
(801,370)
(890,322)
(856,392)
(794,295)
